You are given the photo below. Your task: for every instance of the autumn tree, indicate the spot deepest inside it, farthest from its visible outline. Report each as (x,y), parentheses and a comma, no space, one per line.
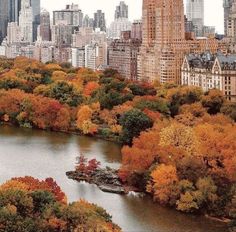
(182,95)
(179,136)
(84,120)
(64,92)
(229,109)
(59,76)
(153,104)
(213,101)
(90,87)
(37,208)
(164,184)
(217,148)
(194,198)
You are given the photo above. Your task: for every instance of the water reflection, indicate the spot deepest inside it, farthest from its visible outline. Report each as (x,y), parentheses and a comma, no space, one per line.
(46,154)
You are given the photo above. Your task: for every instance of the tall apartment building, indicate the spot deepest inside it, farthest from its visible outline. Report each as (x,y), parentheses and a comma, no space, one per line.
(13,33)
(62,34)
(99,20)
(95,56)
(163,40)
(118,26)
(78,57)
(136,30)
(227,4)
(72,15)
(231,23)
(86,35)
(122,11)
(44,30)
(26,21)
(195,13)
(122,55)
(44,51)
(93,44)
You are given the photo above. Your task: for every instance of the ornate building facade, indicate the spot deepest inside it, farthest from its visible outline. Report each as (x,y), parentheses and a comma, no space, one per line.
(210,71)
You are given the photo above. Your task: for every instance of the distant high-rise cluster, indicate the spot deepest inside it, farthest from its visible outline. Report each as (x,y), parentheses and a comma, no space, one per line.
(165,46)
(10,11)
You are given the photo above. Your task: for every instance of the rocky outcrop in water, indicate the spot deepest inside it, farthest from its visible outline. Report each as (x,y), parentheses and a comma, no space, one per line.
(106,179)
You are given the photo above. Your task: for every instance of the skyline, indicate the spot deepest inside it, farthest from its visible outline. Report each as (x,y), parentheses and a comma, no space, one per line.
(135,9)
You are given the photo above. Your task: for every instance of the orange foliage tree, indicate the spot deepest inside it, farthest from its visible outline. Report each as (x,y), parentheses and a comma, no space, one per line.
(90,87)
(164,184)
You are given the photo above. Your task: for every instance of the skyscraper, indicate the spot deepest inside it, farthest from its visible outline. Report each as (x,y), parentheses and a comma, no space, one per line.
(121,11)
(231,23)
(3,18)
(227,7)
(99,20)
(195,13)
(121,22)
(9,12)
(163,40)
(14,8)
(44,28)
(26,21)
(35,4)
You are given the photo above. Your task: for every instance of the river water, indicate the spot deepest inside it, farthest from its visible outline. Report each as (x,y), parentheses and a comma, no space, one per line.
(44,154)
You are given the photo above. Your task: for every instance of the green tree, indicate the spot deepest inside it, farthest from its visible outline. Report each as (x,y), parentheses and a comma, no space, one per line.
(133,123)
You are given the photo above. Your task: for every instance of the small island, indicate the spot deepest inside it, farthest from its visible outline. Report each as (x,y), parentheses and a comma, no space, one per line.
(106,179)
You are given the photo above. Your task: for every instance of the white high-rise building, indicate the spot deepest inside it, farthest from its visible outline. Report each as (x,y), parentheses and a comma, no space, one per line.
(78,57)
(117,26)
(91,56)
(195,13)
(13,33)
(26,21)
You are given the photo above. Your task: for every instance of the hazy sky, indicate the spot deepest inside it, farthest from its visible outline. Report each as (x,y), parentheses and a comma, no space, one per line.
(213,9)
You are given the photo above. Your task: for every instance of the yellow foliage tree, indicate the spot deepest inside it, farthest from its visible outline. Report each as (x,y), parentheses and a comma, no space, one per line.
(59,76)
(180,136)
(84,120)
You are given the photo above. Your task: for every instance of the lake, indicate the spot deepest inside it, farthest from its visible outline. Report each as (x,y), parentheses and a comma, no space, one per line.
(43,154)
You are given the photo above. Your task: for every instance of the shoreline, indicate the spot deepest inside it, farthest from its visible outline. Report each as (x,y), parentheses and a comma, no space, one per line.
(126,189)
(69,132)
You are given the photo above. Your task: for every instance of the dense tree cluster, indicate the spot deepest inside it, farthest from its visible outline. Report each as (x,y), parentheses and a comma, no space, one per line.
(27,204)
(180,142)
(58,97)
(187,161)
